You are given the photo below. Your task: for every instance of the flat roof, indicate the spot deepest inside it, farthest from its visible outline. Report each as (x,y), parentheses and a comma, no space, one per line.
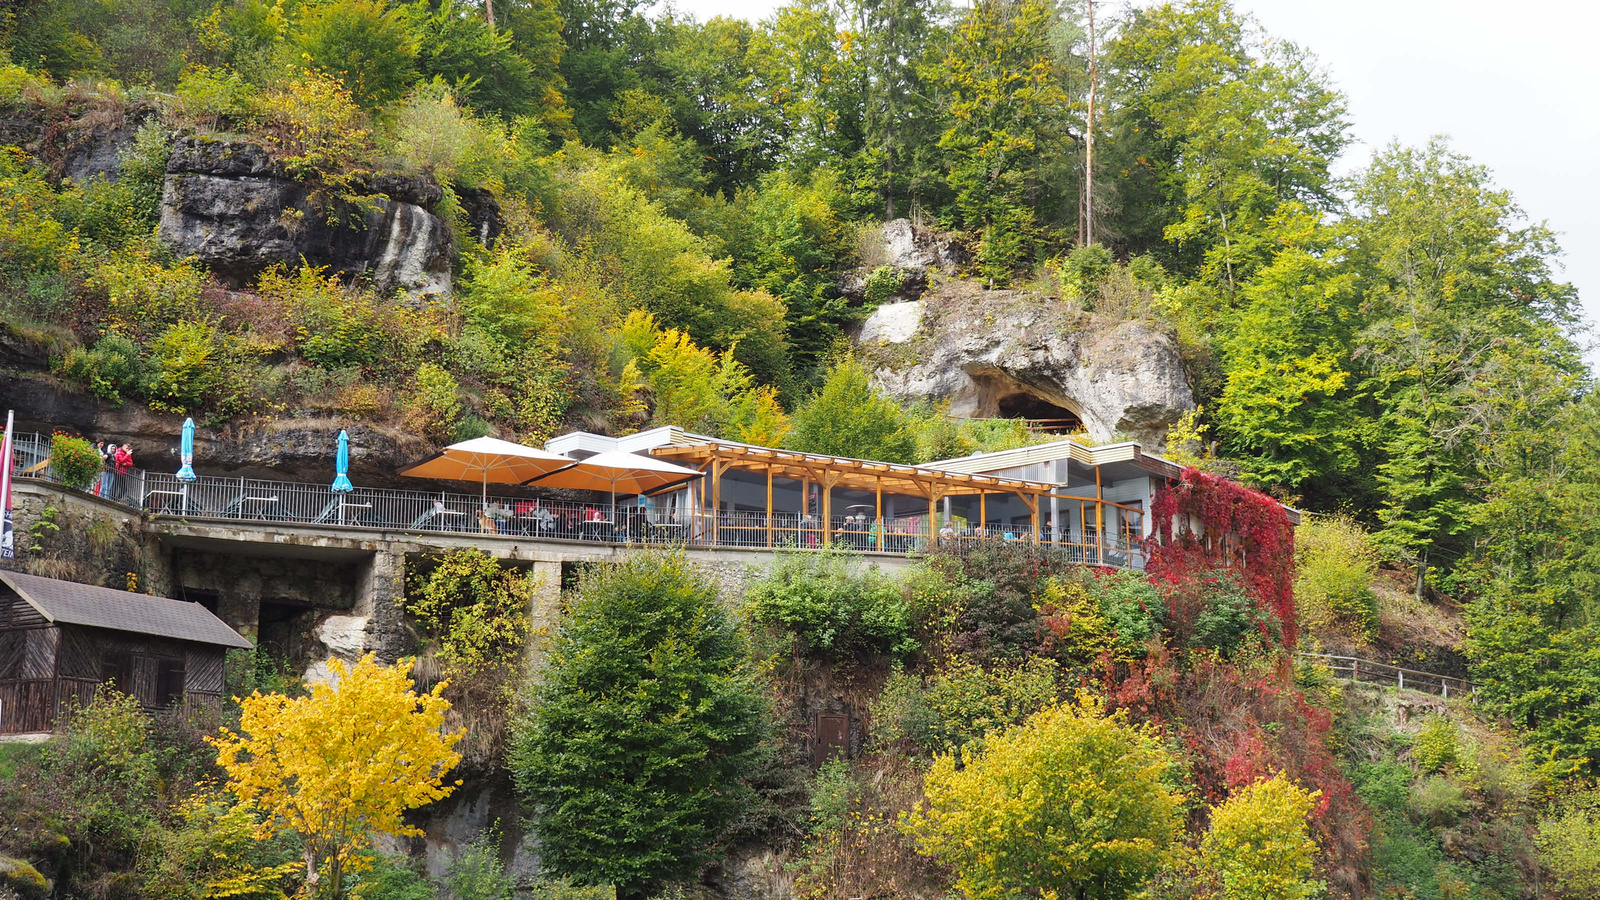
(859,474)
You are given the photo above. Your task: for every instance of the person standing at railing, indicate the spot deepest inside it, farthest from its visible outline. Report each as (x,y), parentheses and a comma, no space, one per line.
(108,452)
(122,466)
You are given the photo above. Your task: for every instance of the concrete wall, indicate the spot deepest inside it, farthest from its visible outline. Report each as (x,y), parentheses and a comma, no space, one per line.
(349,581)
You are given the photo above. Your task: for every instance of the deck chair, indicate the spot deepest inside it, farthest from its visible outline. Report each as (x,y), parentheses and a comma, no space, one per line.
(329,513)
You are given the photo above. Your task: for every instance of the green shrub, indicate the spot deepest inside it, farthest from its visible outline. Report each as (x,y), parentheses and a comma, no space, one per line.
(32,237)
(143,296)
(477,873)
(434,409)
(1437,801)
(831,795)
(185,367)
(1385,785)
(207,98)
(113,370)
(1132,607)
(1229,619)
(883,284)
(1335,562)
(1438,745)
(961,703)
(393,878)
(832,606)
(74,460)
(368,48)
(1568,839)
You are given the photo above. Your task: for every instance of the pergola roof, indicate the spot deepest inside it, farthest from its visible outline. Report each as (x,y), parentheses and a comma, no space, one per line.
(845,472)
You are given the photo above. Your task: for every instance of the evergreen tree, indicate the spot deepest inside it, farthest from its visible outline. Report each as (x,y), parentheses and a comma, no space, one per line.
(631,755)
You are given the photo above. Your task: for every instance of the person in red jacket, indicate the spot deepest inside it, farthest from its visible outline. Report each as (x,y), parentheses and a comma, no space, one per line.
(122,464)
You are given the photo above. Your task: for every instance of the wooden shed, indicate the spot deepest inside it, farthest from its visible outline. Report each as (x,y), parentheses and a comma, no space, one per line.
(60,640)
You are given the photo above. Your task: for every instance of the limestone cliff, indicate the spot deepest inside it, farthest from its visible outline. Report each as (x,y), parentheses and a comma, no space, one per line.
(229,205)
(1026,355)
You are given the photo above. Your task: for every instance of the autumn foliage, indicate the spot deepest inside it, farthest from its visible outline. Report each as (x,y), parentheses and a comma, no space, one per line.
(1205,522)
(343,764)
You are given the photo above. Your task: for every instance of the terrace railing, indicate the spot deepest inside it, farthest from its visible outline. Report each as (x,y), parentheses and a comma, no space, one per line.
(1355,668)
(266,501)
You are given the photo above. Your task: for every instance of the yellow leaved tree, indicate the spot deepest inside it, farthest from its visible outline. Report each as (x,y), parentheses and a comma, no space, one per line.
(1259,845)
(342,764)
(1070,804)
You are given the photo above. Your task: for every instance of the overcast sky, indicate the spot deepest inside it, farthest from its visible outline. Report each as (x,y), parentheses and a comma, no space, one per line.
(1513,85)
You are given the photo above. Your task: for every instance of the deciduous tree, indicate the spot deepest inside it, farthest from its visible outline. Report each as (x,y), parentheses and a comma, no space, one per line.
(1070,803)
(343,764)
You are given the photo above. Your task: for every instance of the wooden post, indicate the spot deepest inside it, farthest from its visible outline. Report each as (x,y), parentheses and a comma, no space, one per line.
(1034,509)
(1099,517)
(827,514)
(933,515)
(983,514)
(769,505)
(717,469)
(877,519)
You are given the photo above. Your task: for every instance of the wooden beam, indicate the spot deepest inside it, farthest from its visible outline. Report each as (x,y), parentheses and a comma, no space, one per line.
(827,516)
(1100,516)
(877,518)
(769,506)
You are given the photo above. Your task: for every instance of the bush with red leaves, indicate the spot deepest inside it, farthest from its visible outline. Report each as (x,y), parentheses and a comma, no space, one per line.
(1204,522)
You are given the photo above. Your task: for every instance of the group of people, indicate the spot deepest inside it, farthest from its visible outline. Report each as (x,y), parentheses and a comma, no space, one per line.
(116,462)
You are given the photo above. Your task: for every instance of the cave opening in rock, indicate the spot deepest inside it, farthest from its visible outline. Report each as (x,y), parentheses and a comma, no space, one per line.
(1045,415)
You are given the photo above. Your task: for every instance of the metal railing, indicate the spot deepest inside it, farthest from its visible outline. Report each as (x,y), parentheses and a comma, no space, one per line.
(242,499)
(1357,669)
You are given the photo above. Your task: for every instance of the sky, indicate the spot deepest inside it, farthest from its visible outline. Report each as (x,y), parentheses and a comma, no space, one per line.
(1514,86)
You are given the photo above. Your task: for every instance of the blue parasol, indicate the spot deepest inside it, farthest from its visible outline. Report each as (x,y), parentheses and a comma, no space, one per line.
(186,453)
(341,481)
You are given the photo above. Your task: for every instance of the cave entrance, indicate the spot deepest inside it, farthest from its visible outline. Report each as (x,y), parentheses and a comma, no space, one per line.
(283,628)
(1041,413)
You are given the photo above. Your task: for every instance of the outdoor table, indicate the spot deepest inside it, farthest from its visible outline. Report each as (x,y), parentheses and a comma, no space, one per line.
(440,512)
(598,529)
(667,532)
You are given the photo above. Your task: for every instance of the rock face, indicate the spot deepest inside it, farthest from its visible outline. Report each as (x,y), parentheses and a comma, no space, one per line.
(1012,353)
(228,204)
(913,252)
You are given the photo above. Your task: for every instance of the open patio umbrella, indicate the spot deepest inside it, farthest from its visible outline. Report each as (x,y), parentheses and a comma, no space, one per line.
(619,472)
(341,466)
(186,453)
(487,459)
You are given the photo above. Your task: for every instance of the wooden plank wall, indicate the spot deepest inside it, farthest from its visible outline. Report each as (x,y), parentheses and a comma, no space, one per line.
(204,669)
(27,706)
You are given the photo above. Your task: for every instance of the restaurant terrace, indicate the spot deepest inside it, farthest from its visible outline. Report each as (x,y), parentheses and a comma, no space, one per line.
(669,486)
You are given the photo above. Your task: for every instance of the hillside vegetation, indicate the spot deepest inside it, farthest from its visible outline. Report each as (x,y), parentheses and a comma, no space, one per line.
(675,206)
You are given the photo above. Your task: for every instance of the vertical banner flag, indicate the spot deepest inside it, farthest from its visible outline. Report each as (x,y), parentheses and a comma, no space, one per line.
(7,537)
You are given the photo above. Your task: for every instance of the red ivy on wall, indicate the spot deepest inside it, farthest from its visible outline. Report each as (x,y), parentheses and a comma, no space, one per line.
(1204,522)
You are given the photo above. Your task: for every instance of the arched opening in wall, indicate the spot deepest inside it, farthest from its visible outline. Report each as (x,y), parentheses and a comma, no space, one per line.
(1044,415)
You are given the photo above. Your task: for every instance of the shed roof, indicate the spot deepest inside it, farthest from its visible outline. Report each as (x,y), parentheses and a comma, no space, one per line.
(71,603)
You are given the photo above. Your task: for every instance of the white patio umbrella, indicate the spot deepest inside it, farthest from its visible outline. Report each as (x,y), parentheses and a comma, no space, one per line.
(618,471)
(487,459)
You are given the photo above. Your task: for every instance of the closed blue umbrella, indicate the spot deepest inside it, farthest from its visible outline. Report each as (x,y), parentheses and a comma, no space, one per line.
(186,453)
(341,481)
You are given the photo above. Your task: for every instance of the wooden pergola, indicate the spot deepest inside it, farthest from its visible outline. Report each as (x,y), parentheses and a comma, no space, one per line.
(829,472)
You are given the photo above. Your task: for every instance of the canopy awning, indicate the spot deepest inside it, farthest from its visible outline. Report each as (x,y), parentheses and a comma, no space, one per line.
(619,472)
(487,459)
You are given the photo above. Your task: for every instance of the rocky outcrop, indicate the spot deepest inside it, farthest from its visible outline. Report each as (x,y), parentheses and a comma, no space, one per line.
(911,253)
(1019,354)
(293,449)
(228,204)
